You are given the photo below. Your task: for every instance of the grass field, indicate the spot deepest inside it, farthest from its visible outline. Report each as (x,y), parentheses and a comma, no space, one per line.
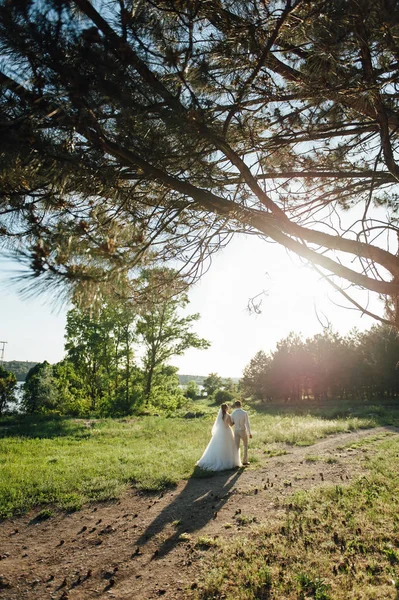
(68,462)
(338,543)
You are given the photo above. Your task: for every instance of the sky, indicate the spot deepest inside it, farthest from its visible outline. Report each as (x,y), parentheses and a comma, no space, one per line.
(294,299)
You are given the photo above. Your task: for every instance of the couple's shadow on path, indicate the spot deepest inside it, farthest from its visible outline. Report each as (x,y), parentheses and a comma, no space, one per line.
(195,506)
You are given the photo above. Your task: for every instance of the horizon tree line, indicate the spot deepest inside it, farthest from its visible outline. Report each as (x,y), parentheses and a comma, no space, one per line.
(328,367)
(324,369)
(117,357)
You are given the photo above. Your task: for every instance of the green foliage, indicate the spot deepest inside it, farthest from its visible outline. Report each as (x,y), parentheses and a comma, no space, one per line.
(212,383)
(230,386)
(219,389)
(192,390)
(8,384)
(165,390)
(40,393)
(314,587)
(223,396)
(73,398)
(99,375)
(98,346)
(162,331)
(255,379)
(138,136)
(327,367)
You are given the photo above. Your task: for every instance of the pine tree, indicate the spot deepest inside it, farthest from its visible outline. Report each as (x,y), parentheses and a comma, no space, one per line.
(153,131)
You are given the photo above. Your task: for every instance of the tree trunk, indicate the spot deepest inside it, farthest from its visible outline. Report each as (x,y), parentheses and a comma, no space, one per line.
(148,384)
(127,366)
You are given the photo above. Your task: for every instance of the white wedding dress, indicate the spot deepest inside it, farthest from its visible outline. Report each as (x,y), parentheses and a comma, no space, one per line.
(221,453)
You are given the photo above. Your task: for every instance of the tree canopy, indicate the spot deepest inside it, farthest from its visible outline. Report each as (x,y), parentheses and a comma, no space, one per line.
(327,367)
(135,132)
(40,394)
(8,384)
(117,357)
(212,383)
(161,329)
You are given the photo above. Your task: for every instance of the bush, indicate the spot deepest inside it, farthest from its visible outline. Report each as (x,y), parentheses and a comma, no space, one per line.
(192,390)
(223,396)
(8,384)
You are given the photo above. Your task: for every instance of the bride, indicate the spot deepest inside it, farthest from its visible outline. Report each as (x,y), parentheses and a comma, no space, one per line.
(221,453)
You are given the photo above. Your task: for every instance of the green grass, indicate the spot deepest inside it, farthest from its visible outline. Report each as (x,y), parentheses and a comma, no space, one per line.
(243,520)
(275,452)
(301,430)
(336,543)
(82,464)
(204,542)
(313,458)
(67,462)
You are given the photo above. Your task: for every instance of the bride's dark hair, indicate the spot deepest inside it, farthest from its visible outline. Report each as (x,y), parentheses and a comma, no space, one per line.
(224,408)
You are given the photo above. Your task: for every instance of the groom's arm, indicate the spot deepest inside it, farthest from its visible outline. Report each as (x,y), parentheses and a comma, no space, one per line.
(247,424)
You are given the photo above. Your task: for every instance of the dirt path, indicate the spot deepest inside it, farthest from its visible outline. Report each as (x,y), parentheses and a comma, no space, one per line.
(143,546)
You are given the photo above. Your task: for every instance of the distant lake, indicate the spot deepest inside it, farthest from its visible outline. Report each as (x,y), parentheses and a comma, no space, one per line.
(18,394)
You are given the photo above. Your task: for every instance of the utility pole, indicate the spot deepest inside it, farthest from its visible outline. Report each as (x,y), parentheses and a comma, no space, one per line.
(3,345)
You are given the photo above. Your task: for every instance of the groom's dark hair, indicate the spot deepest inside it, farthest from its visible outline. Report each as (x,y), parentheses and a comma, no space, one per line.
(237,403)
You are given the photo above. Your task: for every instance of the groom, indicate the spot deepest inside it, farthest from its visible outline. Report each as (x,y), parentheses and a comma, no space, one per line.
(241,428)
